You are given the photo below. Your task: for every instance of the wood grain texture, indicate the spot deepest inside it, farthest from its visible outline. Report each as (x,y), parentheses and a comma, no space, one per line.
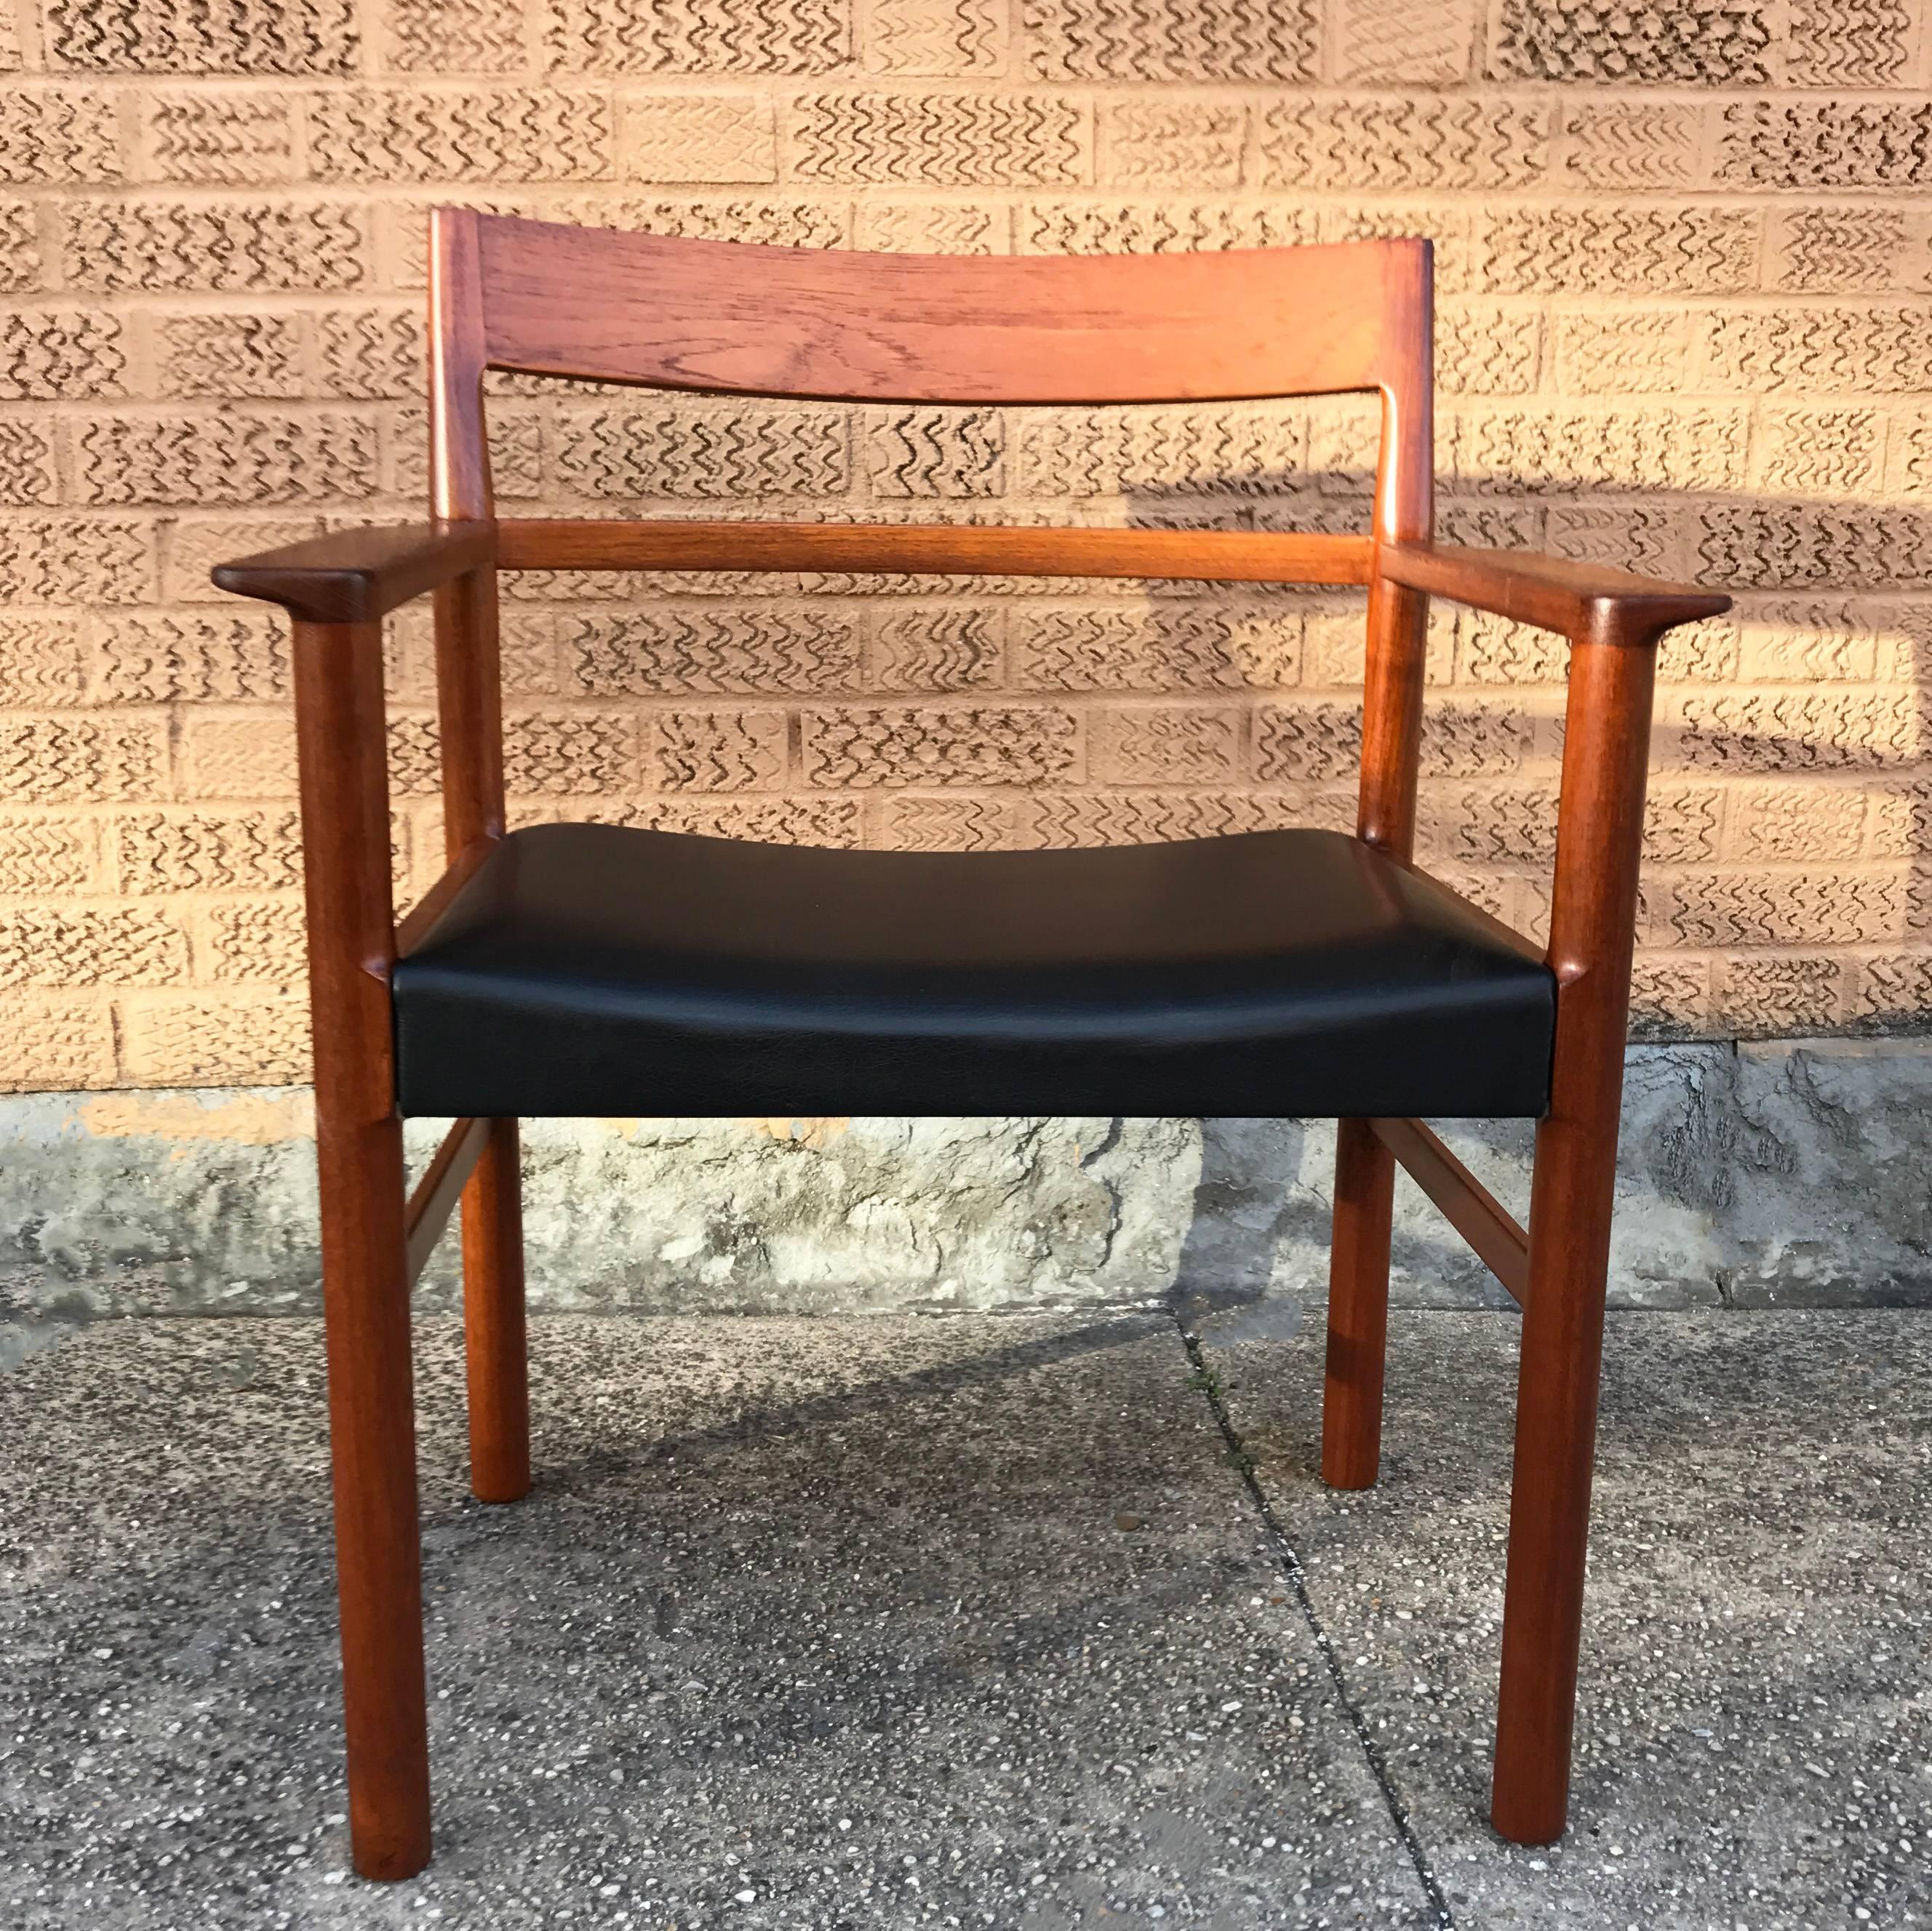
(496,1349)
(357,576)
(1206,556)
(433,1200)
(344,784)
(1493,1232)
(684,314)
(1599,839)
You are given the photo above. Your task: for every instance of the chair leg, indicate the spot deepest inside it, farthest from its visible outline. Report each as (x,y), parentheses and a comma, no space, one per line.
(378,1549)
(1549,1497)
(1358,1265)
(493,1321)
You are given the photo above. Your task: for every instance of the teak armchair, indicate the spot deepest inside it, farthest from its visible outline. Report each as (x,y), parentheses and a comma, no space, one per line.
(597,969)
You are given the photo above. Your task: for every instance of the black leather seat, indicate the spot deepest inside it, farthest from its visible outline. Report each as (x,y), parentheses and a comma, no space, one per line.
(592,969)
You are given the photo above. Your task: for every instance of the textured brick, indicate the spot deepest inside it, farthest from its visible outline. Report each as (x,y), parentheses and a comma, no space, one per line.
(218,37)
(1831,249)
(1623,146)
(241,1038)
(934,37)
(27,474)
(372,354)
(933,228)
(696,36)
(1767,730)
(1388,41)
(229,138)
(1157,228)
(1029,744)
(1173,143)
(1828,350)
(1392,142)
(1652,43)
(1573,450)
(41,853)
(721,137)
(255,941)
(19,247)
(231,756)
(493,134)
(1818,640)
(50,134)
(150,657)
(1322,740)
(936,452)
(1848,44)
(1482,348)
(441,36)
(1669,996)
(1787,145)
(1813,546)
(1171,39)
(1791,907)
(974,139)
(1168,646)
(750,649)
(226,246)
(718,751)
(228,458)
(227,355)
(41,663)
(90,945)
(157,852)
(960,648)
(749,450)
(1242,449)
(1165,743)
(1626,351)
(61,560)
(79,758)
(1603,250)
(61,355)
(57,1045)
(1788,824)
(1832,452)
(1894,989)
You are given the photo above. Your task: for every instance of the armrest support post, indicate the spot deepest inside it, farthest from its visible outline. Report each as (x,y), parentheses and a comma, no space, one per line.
(469,709)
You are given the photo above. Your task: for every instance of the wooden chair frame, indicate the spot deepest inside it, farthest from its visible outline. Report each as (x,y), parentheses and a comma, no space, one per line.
(514,294)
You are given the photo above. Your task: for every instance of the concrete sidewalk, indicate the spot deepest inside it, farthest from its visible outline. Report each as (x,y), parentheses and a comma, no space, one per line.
(982,1621)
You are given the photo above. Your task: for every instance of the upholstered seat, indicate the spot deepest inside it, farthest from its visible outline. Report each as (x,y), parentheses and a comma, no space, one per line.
(593,969)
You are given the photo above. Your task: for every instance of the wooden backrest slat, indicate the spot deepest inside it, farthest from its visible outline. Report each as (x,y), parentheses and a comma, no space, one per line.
(678,313)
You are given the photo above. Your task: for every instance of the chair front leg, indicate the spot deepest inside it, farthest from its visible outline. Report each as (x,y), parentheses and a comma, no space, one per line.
(1358,1271)
(1592,925)
(339,715)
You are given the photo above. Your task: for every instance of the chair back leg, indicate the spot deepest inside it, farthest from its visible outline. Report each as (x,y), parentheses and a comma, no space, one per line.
(492,1320)
(1358,1270)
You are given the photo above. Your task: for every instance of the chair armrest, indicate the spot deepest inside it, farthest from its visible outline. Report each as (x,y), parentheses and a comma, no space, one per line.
(357,576)
(1579,600)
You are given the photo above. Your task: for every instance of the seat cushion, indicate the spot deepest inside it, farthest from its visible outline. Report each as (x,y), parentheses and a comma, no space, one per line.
(593,969)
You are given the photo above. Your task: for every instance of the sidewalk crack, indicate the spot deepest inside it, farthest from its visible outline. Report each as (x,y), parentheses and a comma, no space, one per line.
(1291,1564)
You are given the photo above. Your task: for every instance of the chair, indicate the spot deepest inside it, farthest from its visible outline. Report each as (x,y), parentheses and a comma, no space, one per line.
(585,969)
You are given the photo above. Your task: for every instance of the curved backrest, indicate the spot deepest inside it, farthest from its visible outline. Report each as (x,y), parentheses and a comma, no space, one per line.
(733,317)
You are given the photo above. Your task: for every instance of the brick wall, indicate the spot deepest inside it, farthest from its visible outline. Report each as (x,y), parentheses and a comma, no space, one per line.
(1684,251)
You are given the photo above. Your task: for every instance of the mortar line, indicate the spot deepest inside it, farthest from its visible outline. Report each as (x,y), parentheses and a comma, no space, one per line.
(1290,1562)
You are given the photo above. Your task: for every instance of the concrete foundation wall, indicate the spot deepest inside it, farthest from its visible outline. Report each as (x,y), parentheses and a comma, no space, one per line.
(1761,1174)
